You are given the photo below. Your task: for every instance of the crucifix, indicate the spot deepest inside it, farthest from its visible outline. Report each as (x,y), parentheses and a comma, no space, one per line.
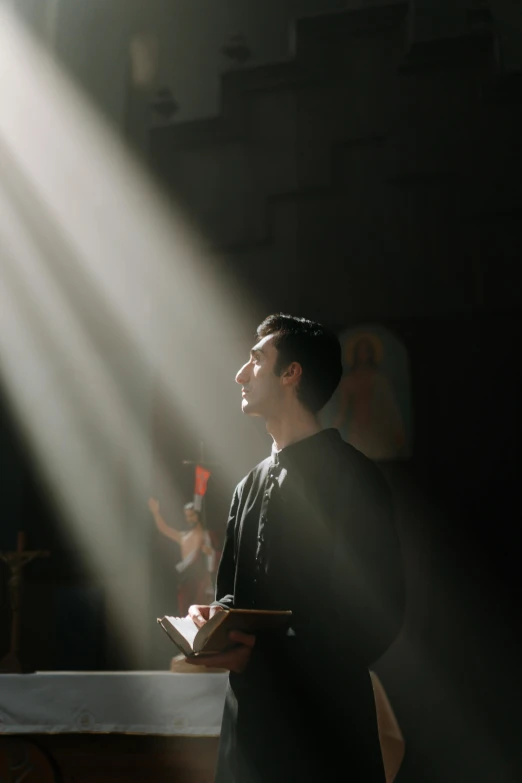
(15,562)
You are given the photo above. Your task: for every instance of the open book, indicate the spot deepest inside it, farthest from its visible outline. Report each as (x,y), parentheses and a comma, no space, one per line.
(213,637)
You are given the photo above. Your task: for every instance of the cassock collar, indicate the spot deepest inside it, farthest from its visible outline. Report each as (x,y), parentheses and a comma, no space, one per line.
(299,453)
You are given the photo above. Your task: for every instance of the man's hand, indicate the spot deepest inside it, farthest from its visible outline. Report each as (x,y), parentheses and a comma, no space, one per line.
(154,505)
(201,614)
(235,659)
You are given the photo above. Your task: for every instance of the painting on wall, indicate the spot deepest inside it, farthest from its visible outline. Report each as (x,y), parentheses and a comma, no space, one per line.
(372,405)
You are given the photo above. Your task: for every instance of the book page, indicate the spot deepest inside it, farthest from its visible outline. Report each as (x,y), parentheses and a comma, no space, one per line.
(208,629)
(186,627)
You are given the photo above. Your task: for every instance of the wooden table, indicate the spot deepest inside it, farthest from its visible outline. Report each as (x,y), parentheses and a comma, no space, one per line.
(106,758)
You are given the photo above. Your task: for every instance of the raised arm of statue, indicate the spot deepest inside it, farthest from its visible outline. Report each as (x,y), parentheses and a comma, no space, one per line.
(162,526)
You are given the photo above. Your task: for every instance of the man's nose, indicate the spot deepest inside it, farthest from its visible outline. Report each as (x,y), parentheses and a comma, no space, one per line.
(242,375)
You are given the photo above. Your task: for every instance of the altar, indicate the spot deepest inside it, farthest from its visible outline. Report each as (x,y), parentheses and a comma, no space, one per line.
(128,727)
(137,727)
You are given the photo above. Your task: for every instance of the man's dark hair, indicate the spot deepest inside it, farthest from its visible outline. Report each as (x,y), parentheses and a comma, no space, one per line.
(314,347)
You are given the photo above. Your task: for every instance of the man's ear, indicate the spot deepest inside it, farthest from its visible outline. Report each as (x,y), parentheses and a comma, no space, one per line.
(292,374)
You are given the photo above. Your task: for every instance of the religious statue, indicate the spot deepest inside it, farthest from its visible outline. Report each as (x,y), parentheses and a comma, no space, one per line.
(198,557)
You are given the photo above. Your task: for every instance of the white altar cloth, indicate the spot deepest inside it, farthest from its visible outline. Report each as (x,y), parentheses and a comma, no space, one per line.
(156,703)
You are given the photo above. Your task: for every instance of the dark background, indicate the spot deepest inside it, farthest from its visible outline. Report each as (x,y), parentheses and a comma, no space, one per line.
(373,178)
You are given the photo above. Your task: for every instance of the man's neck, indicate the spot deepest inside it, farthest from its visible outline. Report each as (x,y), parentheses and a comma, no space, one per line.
(291,428)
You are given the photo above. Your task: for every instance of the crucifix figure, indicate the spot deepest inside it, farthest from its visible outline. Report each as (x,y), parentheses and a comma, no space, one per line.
(15,562)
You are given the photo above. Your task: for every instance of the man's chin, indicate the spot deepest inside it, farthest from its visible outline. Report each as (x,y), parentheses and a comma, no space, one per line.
(247,408)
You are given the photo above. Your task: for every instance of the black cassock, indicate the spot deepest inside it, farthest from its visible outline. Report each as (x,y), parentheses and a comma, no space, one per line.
(310,529)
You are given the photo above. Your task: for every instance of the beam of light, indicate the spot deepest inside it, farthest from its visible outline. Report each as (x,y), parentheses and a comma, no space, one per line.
(104,288)
(127,253)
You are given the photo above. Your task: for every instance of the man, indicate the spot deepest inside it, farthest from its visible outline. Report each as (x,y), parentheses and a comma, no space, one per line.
(311,530)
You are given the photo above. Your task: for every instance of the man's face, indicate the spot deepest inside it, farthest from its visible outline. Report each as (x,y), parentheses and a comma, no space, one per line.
(262,390)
